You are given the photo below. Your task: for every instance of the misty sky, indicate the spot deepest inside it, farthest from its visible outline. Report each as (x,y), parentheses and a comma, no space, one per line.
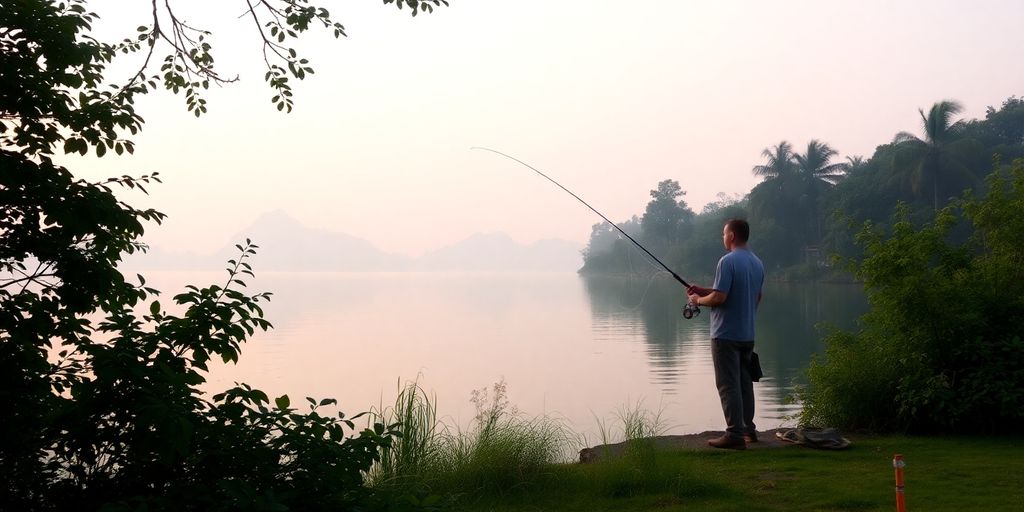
(609,97)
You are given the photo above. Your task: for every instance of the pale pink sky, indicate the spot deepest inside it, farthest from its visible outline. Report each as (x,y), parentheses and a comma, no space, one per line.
(609,97)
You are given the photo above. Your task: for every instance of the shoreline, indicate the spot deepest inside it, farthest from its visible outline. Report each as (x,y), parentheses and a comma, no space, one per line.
(766,440)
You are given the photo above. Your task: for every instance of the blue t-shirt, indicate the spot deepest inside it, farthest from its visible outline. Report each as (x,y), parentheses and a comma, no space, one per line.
(740,275)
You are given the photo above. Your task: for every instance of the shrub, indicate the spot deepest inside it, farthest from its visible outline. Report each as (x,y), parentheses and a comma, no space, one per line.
(111,416)
(941,349)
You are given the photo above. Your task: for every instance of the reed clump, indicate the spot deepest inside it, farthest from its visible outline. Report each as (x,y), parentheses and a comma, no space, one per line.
(499,451)
(504,453)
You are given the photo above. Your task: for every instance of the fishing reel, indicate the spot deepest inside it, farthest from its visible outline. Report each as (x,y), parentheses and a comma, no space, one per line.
(690,310)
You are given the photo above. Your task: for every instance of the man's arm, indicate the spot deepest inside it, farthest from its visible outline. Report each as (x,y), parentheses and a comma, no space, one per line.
(715,298)
(712,298)
(718,291)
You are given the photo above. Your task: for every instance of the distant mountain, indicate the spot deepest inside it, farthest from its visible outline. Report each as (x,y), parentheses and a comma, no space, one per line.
(287,245)
(498,252)
(284,245)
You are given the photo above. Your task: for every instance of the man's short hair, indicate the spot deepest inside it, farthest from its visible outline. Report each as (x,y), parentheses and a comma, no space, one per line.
(740,228)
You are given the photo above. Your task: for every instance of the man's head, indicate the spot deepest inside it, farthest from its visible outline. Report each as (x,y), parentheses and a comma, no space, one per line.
(735,233)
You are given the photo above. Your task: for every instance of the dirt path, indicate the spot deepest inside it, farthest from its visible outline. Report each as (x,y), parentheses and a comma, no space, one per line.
(766,440)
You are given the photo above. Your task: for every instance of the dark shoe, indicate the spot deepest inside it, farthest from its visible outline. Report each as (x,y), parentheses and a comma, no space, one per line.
(750,437)
(727,441)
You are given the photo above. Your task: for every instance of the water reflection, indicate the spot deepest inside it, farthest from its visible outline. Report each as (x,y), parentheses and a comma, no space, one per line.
(577,347)
(791,323)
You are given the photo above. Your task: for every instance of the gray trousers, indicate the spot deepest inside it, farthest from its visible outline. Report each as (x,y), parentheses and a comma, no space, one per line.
(732,376)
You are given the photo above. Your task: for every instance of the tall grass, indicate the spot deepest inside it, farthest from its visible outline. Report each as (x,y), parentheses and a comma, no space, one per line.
(636,426)
(410,456)
(640,423)
(500,450)
(504,453)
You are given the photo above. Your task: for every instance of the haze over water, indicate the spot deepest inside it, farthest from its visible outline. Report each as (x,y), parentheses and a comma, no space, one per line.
(579,348)
(608,97)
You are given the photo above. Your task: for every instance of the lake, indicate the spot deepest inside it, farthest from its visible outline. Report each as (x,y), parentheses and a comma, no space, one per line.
(580,348)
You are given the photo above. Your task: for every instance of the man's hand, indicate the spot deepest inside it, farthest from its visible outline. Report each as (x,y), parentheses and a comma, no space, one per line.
(698,290)
(694,293)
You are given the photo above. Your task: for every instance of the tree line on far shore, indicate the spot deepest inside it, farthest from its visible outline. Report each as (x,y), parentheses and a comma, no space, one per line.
(812,203)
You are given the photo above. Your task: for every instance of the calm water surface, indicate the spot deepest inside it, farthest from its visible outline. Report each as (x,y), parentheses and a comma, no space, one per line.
(579,348)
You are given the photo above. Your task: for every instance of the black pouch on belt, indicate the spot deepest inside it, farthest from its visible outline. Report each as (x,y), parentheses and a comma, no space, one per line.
(755,367)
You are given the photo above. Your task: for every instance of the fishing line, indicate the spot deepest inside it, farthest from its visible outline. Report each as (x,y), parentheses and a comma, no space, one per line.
(643,297)
(650,281)
(629,260)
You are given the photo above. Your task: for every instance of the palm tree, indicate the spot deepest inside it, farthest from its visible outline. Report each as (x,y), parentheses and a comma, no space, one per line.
(936,157)
(817,172)
(780,180)
(816,166)
(780,162)
(856,163)
(777,200)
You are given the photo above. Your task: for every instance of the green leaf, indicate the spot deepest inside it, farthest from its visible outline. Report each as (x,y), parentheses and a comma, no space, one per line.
(154,308)
(282,402)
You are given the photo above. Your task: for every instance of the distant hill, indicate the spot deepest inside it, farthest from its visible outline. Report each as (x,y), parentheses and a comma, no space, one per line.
(284,245)
(287,245)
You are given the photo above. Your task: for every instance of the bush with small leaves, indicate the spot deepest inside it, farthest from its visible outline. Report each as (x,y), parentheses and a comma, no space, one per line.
(102,405)
(942,348)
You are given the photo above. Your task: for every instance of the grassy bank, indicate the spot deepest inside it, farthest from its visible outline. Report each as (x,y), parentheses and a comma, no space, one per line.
(942,474)
(505,462)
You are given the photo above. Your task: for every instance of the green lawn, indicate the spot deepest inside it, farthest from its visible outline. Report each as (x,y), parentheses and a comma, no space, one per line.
(942,474)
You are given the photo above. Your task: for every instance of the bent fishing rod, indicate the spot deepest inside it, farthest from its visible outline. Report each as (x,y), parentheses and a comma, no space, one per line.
(690,310)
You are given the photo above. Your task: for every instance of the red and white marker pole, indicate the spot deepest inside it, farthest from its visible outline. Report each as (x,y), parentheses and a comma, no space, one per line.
(898,464)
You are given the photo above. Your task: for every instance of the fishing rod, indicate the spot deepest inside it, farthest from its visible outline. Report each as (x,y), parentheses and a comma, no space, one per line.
(690,310)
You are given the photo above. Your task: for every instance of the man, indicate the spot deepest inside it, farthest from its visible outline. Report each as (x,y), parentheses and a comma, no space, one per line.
(734,299)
